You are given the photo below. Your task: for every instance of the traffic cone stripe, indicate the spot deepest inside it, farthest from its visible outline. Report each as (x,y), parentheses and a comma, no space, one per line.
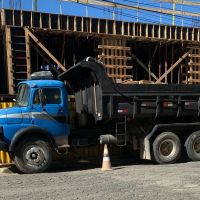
(106,159)
(106,166)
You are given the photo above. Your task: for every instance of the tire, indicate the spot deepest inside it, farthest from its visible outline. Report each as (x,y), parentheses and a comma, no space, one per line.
(32,156)
(166,148)
(193,146)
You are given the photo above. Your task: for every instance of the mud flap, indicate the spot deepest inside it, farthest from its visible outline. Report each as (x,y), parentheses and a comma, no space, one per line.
(145,149)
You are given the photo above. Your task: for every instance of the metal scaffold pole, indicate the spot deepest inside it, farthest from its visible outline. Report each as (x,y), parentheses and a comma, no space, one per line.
(137,17)
(35,5)
(61,11)
(173,16)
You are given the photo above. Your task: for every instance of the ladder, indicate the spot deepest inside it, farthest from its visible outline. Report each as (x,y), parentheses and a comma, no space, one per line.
(17,57)
(121,133)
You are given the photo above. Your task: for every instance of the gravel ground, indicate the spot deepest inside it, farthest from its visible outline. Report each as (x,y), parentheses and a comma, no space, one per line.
(87,181)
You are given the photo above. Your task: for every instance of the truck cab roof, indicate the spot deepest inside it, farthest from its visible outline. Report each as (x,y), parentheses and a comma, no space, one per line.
(43,83)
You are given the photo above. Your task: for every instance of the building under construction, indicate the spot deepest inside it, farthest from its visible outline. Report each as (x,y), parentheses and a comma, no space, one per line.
(132,52)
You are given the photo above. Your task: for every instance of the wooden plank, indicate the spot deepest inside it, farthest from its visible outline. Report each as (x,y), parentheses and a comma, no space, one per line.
(194,56)
(75,24)
(193,80)
(49,21)
(119,76)
(112,53)
(98,27)
(173,66)
(3,22)
(31,19)
(193,47)
(45,49)
(9,61)
(40,21)
(194,72)
(21,18)
(143,66)
(120,62)
(82,24)
(13,16)
(114,47)
(28,55)
(120,66)
(193,34)
(128,29)
(134,29)
(67,27)
(165,33)
(117,57)
(90,25)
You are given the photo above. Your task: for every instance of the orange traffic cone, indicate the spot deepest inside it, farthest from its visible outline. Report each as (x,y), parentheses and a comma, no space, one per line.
(106,165)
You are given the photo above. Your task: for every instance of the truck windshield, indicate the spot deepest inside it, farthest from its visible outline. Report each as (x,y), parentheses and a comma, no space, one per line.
(23,95)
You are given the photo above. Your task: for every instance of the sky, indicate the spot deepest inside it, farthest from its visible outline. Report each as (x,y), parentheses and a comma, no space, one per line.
(58,6)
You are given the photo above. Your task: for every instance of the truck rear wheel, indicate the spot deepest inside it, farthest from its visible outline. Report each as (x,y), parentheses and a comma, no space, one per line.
(193,146)
(32,156)
(166,148)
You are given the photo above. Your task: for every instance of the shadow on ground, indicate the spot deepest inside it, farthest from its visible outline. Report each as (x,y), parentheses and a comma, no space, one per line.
(92,163)
(117,162)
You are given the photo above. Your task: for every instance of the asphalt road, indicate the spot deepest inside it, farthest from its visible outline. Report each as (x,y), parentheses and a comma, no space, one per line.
(87,181)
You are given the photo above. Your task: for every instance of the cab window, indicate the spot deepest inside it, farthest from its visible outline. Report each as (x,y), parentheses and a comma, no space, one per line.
(23,95)
(52,95)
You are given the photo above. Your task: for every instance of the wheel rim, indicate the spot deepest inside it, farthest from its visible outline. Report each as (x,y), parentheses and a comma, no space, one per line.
(167,148)
(196,145)
(34,156)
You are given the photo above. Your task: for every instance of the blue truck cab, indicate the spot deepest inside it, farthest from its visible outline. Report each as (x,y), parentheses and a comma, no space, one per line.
(37,125)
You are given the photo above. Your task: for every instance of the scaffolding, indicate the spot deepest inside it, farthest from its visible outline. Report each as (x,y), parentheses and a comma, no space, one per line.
(131,52)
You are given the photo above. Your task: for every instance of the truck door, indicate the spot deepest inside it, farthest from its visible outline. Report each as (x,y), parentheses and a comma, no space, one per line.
(50,112)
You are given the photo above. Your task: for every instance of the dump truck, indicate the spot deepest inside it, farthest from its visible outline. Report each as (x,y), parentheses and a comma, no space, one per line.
(161,121)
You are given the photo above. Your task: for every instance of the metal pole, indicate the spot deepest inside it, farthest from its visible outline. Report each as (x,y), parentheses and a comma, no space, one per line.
(113,15)
(86,11)
(137,17)
(36,5)
(173,16)
(20,4)
(160,13)
(32,5)
(182,13)
(61,7)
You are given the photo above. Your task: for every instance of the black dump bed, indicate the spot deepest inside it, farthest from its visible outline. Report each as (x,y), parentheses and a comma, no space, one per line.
(98,95)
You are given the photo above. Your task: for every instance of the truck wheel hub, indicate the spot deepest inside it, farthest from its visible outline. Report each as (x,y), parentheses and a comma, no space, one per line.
(167,147)
(196,145)
(34,155)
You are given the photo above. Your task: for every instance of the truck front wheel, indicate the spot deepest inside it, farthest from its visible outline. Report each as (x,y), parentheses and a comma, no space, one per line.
(32,156)
(166,148)
(193,146)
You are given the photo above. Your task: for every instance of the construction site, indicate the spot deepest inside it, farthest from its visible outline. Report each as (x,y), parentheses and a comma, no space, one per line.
(132,51)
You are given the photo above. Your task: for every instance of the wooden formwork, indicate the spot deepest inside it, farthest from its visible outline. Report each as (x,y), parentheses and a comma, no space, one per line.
(115,55)
(53,22)
(194,65)
(112,48)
